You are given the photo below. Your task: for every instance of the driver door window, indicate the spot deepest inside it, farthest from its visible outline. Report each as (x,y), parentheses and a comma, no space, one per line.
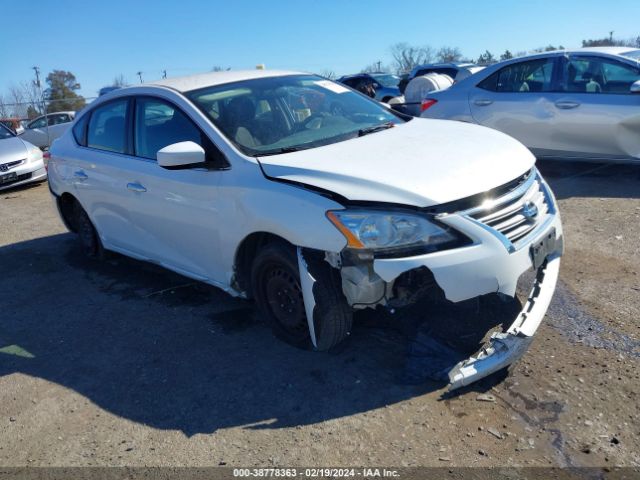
(598,75)
(158,125)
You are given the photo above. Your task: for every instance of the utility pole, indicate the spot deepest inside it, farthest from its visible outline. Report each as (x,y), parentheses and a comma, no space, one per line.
(37,70)
(43,107)
(139,75)
(38,85)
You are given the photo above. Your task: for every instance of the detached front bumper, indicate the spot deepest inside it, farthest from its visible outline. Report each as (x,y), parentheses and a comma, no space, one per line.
(503,349)
(494,264)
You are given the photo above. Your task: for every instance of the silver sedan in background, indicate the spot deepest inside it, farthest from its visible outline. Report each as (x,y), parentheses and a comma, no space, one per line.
(20,162)
(581,104)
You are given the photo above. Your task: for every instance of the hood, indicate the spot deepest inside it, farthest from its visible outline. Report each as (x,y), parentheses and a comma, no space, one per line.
(12,149)
(422,163)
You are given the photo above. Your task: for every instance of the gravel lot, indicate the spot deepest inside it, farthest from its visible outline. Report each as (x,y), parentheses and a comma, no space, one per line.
(119,362)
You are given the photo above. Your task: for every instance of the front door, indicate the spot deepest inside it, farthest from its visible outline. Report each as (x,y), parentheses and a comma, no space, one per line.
(597,116)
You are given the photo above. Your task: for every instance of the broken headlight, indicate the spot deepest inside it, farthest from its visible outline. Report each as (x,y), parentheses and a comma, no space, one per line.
(387,232)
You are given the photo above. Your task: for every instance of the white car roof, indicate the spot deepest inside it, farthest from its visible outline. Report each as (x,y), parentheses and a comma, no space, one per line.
(194,82)
(609,50)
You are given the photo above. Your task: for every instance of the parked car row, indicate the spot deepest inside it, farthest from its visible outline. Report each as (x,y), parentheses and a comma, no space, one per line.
(292,190)
(581,104)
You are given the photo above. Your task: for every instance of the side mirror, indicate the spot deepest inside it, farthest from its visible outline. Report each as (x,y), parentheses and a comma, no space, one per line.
(635,87)
(181,154)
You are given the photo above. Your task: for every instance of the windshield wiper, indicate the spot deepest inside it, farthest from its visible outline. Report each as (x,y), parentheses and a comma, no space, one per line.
(374,128)
(278,151)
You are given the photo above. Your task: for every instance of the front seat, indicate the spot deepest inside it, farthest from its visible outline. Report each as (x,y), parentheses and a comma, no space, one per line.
(592,86)
(239,114)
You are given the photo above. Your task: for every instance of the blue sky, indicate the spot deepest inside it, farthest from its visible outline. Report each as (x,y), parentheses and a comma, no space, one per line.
(100,40)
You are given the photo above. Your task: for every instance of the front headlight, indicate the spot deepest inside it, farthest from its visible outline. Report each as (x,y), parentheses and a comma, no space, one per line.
(386,231)
(35,154)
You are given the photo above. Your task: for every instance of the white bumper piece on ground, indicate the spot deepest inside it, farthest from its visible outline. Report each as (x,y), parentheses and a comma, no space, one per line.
(503,349)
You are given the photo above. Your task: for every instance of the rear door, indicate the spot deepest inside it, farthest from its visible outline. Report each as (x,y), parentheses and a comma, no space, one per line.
(100,175)
(597,116)
(519,100)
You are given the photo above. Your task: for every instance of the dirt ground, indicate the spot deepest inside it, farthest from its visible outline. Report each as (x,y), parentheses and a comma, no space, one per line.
(122,363)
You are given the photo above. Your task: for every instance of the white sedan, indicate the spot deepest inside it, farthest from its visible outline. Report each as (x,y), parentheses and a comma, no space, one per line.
(312,199)
(43,130)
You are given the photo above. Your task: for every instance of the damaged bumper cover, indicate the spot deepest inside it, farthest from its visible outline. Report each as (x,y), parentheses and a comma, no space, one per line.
(493,264)
(503,349)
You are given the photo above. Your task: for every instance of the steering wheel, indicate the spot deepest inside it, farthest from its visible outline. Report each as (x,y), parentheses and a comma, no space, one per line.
(314,116)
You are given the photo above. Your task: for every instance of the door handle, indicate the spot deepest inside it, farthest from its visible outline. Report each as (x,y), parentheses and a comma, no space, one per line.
(566,105)
(136,187)
(80,175)
(483,102)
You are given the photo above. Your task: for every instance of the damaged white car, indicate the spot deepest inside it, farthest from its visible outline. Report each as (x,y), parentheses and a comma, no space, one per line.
(312,199)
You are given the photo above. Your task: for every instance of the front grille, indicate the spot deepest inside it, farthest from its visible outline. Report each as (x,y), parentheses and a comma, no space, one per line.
(5,167)
(517,213)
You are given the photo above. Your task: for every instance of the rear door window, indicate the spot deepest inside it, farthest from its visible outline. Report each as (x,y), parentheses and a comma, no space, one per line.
(108,127)
(522,77)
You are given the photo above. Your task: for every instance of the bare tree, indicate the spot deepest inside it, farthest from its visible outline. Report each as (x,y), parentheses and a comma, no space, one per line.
(375,67)
(486,58)
(16,96)
(330,74)
(4,108)
(119,81)
(507,55)
(449,54)
(406,56)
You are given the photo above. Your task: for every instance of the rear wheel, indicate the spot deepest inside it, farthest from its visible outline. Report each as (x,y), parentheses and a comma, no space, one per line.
(87,235)
(276,285)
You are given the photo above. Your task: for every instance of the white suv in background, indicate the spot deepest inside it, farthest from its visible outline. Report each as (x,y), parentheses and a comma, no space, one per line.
(312,199)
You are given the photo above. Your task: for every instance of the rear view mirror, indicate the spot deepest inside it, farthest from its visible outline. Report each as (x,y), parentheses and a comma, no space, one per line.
(635,87)
(181,154)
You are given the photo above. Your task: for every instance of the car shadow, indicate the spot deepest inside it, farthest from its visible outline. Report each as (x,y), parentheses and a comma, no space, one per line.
(162,350)
(585,179)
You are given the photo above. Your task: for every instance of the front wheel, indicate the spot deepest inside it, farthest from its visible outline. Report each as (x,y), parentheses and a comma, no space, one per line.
(276,285)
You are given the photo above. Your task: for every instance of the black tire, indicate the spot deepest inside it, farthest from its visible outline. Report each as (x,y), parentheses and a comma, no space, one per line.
(275,280)
(87,234)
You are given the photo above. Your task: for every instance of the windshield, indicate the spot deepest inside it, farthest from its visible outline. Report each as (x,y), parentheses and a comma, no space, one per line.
(635,54)
(274,115)
(5,132)
(387,80)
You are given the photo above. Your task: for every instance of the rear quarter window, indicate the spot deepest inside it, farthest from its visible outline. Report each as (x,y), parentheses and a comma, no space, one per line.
(80,131)
(107,128)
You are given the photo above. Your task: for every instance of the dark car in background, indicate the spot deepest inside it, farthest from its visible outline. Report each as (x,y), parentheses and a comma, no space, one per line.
(385,85)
